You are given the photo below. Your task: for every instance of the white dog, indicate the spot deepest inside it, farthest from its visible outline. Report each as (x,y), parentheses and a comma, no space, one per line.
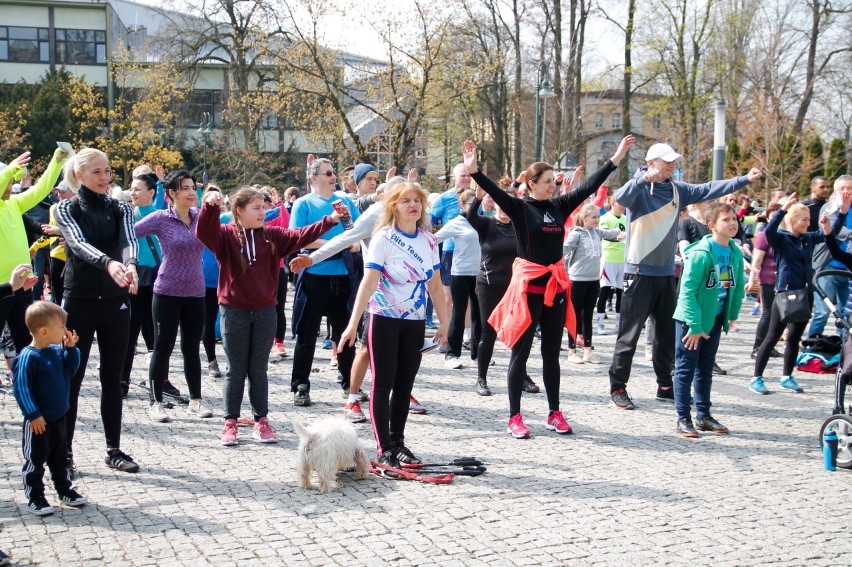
(327,446)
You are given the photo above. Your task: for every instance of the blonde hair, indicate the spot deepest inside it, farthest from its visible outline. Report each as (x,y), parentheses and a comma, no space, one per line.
(79,162)
(392,198)
(41,313)
(795,211)
(585,212)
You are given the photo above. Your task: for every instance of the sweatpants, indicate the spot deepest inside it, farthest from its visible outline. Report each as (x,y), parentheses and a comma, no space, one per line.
(247,336)
(45,448)
(394,359)
(584,294)
(171,312)
(12,309)
(281,318)
(645,296)
(489,296)
(552,322)
(141,319)
(773,334)
(211,311)
(110,320)
(57,280)
(767,299)
(463,290)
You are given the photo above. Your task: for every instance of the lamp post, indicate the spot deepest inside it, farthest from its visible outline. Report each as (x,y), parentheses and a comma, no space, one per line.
(543,92)
(205,129)
(719,141)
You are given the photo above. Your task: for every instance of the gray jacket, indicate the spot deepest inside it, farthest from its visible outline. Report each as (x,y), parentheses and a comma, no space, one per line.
(582,251)
(822,256)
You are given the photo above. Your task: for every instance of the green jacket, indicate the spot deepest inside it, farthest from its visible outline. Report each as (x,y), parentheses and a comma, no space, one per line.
(698,299)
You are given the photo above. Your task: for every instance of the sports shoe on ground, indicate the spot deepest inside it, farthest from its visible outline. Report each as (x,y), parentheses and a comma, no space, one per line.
(622,400)
(665,394)
(157,413)
(775,354)
(686,429)
(353,413)
(516,427)
(388,459)
(575,359)
(591,358)
(600,329)
(718,370)
(530,386)
(213,370)
(278,348)
(125,389)
(264,432)
(326,344)
(442,349)
(116,459)
(302,396)
(757,386)
(229,433)
(710,424)
(362,397)
(415,407)
(404,455)
(733,328)
(430,324)
(556,422)
(466,344)
(73,498)
(333,363)
(482,387)
(756,309)
(197,409)
(4,559)
(39,506)
(452,362)
(790,385)
(170,389)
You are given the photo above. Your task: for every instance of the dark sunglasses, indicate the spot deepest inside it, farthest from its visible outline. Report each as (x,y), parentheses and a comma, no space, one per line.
(329,173)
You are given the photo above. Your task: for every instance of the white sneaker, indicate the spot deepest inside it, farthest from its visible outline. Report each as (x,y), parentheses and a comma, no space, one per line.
(601,329)
(157,413)
(575,359)
(453,362)
(591,358)
(197,409)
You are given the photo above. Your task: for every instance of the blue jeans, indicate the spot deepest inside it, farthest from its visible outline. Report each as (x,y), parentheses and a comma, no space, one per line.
(694,370)
(837,290)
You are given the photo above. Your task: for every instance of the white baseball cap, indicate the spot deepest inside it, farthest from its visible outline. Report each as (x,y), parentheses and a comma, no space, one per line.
(662,151)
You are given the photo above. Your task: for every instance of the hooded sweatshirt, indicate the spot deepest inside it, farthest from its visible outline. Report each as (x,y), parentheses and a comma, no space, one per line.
(583,252)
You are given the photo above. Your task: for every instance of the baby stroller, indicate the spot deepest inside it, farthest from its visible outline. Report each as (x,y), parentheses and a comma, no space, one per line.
(840,421)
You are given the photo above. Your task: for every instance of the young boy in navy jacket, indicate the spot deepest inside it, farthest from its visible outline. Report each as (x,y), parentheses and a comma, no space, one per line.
(43,372)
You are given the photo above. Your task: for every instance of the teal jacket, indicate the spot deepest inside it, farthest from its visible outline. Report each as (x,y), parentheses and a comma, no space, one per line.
(698,299)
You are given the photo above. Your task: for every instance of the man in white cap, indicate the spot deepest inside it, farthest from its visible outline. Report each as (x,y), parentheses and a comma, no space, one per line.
(654,202)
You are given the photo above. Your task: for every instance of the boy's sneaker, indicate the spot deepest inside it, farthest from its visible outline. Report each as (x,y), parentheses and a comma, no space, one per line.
(452,362)
(686,429)
(404,455)
(39,506)
(575,359)
(556,422)
(665,394)
(710,424)
(170,389)
(116,459)
(757,386)
(482,387)
(790,385)
(622,400)
(352,412)
(213,369)
(516,427)
(302,397)
(415,407)
(530,386)
(362,397)
(591,358)
(157,413)
(264,432)
(73,498)
(197,409)
(229,433)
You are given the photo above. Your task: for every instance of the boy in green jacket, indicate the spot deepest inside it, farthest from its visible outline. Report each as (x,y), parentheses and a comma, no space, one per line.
(711,294)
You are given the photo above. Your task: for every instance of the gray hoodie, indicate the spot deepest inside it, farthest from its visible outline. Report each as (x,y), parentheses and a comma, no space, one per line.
(582,251)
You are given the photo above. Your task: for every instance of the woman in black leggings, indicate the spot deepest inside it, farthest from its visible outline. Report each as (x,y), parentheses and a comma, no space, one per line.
(539,224)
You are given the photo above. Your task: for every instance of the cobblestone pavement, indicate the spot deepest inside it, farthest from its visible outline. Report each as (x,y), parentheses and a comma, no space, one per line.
(623,490)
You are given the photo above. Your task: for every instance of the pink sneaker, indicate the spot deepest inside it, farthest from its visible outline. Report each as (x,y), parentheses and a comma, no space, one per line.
(415,407)
(264,432)
(278,348)
(353,413)
(557,423)
(516,428)
(229,433)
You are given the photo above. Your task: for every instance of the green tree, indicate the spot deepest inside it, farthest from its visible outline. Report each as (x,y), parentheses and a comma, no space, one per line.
(835,164)
(813,163)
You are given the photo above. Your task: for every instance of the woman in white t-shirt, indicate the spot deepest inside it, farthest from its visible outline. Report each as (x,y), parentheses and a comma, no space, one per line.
(402,264)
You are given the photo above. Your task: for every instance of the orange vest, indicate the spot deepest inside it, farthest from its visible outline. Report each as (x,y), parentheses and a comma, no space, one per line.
(511,318)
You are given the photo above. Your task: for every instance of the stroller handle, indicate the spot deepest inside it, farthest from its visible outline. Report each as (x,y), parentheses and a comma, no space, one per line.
(840,321)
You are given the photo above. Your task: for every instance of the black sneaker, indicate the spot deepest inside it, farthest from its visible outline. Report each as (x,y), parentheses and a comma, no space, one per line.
(530,386)
(482,387)
(686,429)
(404,455)
(70,467)
(4,559)
(302,397)
(388,459)
(169,388)
(719,371)
(125,389)
(775,354)
(116,459)
(665,394)
(622,400)
(710,424)
(72,498)
(39,506)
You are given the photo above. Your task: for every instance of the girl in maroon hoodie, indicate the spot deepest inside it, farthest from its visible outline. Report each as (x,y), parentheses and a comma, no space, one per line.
(249,256)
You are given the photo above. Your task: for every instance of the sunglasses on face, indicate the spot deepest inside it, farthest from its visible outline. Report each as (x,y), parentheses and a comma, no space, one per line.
(329,173)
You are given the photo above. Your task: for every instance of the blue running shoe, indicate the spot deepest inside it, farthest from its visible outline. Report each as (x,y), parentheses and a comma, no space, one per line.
(430,324)
(327,344)
(790,385)
(757,386)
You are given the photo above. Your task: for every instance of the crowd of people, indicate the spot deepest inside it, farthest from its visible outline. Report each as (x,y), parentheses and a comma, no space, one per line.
(521,260)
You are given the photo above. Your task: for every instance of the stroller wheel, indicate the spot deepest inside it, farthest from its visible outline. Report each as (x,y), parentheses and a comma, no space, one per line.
(842,425)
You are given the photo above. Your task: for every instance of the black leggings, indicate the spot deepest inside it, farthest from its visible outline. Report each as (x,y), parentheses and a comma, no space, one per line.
(12,310)
(551,320)
(767,298)
(605,293)
(463,290)
(281,318)
(169,313)
(489,296)
(57,280)
(141,319)
(110,320)
(773,334)
(399,342)
(583,297)
(211,311)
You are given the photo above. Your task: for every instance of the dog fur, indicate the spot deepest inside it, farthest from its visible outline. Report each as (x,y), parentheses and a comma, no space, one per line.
(325,447)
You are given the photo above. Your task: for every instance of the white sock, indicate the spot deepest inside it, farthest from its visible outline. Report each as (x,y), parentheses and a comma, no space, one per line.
(354,398)
(467,334)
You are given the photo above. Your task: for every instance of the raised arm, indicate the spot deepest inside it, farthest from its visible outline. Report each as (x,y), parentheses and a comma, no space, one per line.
(208,229)
(510,204)
(479,223)
(32,196)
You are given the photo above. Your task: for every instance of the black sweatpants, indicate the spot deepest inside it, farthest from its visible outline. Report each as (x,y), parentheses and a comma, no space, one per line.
(489,296)
(394,360)
(583,298)
(211,311)
(109,319)
(773,334)
(605,293)
(141,319)
(169,313)
(463,290)
(45,448)
(280,316)
(12,309)
(645,296)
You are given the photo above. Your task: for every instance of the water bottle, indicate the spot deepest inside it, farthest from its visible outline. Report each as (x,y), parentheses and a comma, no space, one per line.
(829,449)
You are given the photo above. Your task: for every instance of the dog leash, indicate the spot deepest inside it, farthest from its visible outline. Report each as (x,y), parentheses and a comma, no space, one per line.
(401,474)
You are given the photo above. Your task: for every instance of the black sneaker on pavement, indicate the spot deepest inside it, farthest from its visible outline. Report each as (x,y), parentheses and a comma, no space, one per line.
(170,389)
(775,354)
(73,498)
(117,459)
(530,386)
(482,387)
(404,455)
(710,424)
(39,506)
(302,397)
(665,394)
(622,400)
(719,371)
(686,429)
(388,459)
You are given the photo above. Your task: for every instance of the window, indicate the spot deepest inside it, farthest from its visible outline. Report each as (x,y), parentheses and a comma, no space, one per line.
(200,102)
(599,121)
(658,122)
(81,47)
(24,45)
(616,120)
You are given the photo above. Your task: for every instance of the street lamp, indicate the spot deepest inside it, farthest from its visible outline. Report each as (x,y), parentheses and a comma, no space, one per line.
(205,129)
(543,92)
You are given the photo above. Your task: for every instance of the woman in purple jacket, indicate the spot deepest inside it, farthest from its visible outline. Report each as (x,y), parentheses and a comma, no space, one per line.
(178,293)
